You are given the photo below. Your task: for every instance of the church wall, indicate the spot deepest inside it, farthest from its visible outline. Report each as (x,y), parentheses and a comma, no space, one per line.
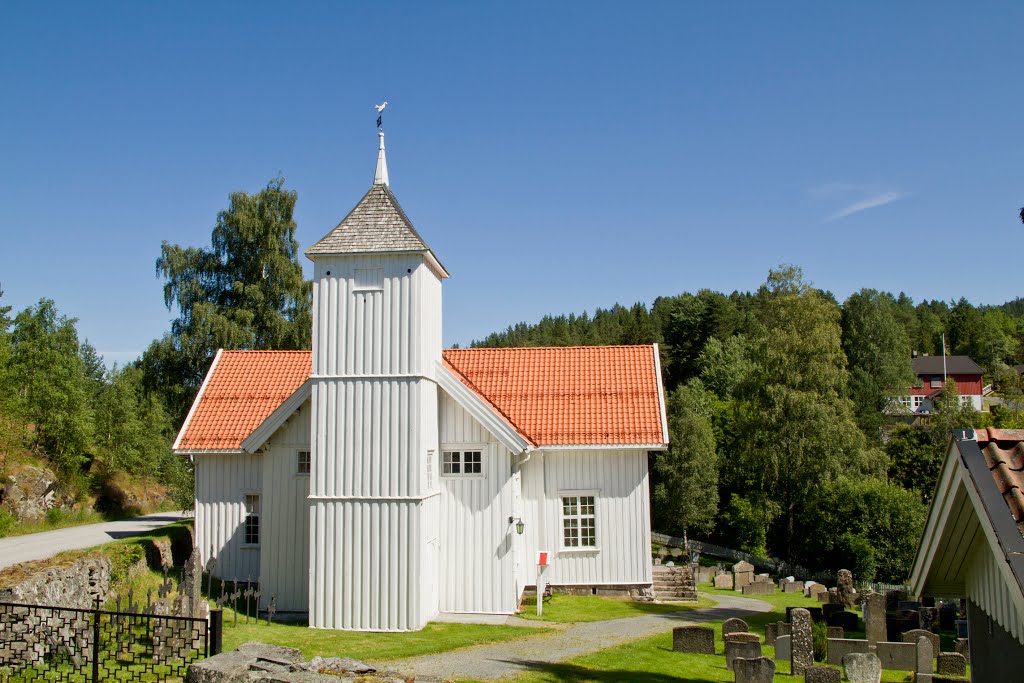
(284,560)
(222,482)
(618,480)
(477,540)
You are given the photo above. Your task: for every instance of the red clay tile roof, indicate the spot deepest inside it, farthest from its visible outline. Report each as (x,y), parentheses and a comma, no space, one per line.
(242,389)
(1004,453)
(562,396)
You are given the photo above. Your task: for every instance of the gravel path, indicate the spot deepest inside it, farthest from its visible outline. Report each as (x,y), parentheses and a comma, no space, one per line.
(48,543)
(498,660)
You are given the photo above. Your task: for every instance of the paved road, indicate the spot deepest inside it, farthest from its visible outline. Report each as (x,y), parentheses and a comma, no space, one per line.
(48,543)
(513,658)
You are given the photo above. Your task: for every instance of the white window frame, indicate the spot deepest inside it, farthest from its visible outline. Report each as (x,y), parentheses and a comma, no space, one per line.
(461,449)
(918,402)
(966,400)
(579,516)
(247,515)
(905,401)
(298,462)
(431,464)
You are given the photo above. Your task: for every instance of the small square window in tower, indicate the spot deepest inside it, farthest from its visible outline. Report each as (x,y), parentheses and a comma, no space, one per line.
(303,462)
(369,280)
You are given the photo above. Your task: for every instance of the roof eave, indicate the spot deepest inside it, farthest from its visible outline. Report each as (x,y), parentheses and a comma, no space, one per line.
(195,403)
(492,421)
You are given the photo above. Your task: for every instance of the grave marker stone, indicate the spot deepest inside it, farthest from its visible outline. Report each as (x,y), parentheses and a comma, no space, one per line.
(802,653)
(897,656)
(925,656)
(913,635)
(754,670)
(784,648)
(951,664)
(793,587)
(759,588)
(874,617)
(724,581)
(823,674)
(694,639)
(963,646)
(836,632)
(740,648)
(844,588)
(840,647)
(743,574)
(862,667)
(734,626)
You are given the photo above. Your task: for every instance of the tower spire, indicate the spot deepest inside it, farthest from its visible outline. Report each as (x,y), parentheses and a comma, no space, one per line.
(380,177)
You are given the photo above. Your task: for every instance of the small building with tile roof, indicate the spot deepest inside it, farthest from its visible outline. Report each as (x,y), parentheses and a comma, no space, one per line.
(378,480)
(972,546)
(932,374)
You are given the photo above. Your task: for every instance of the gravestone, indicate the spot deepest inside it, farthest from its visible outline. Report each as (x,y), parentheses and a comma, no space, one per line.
(762,578)
(754,670)
(740,648)
(784,648)
(192,583)
(963,646)
(742,638)
(961,628)
(759,588)
(912,636)
(874,617)
(847,621)
(743,574)
(811,589)
(836,632)
(840,647)
(862,667)
(844,588)
(823,674)
(897,656)
(951,664)
(774,630)
(662,552)
(831,608)
(724,581)
(816,613)
(793,587)
(734,626)
(925,656)
(802,652)
(947,617)
(909,606)
(694,639)
(825,597)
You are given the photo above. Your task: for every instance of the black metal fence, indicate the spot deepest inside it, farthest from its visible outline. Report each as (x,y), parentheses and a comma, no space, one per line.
(47,643)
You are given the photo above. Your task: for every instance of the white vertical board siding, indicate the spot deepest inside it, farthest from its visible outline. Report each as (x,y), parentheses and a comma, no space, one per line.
(619,478)
(477,544)
(374,408)
(284,567)
(986,587)
(222,480)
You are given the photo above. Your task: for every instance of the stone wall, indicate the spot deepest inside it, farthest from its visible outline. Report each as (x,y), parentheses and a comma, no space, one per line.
(77,584)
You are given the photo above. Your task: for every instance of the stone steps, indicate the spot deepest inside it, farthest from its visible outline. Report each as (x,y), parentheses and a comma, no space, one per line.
(673,583)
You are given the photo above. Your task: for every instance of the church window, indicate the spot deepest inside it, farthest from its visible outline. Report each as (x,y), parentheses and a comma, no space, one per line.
(303,462)
(430,470)
(579,522)
(462,464)
(252,519)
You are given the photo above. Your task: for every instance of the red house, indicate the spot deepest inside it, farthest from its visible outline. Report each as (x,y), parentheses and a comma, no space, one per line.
(932,373)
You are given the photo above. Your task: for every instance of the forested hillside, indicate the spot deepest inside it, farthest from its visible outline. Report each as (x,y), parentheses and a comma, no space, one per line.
(780,407)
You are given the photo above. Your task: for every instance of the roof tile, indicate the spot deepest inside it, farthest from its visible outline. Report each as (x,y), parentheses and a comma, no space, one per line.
(563,396)
(241,391)
(1004,453)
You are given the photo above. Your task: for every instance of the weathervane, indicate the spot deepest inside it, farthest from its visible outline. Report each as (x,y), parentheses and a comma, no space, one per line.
(380,114)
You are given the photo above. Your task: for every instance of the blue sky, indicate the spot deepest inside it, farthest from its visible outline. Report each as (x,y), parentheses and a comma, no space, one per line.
(556,157)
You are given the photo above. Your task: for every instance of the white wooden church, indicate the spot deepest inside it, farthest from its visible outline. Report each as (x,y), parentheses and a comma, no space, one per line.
(380,480)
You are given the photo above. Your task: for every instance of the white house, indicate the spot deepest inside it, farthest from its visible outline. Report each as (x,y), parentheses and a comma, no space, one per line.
(379,480)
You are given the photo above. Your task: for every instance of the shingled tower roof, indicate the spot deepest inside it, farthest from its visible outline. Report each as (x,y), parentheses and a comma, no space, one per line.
(377,224)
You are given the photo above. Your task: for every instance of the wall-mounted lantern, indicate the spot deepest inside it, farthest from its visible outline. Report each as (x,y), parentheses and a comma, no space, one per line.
(518,521)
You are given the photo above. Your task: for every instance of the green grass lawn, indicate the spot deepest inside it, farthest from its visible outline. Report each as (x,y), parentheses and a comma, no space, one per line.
(652,659)
(571,609)
(435,637)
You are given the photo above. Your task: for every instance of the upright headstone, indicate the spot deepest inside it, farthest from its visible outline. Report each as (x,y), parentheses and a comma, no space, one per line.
(734,626)
(874,617)
(793,587)
(823,674)
(947,617)
(694,639)
(925,656)
(724,581)
(192,583)
(951,664)
(740,648)
(912,636)
(963,646)
(844,588)
(836,632)
(862,667)
(754,670)
(783,648)
(802,652)
(743,574)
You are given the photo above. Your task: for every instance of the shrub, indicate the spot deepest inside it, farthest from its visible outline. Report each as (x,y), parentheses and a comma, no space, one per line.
(6,522)
(54,516)
(819,637)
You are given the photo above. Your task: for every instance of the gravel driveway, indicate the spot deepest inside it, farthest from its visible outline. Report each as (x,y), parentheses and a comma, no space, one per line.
(498,660)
